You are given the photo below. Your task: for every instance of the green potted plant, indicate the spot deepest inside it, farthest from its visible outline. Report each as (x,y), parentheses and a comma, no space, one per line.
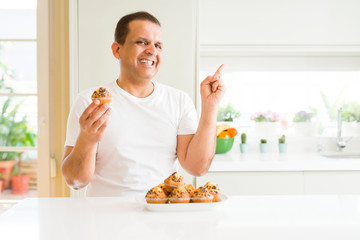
(303,124)
(263,146)
(227,113)
(243,144)
(19,181)
(282,144)
(13,132)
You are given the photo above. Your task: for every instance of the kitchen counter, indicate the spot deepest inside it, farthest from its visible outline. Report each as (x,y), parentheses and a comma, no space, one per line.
(240,217)
(234,161)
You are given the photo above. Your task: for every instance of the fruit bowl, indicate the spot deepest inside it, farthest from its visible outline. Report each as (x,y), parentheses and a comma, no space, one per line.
(223,145)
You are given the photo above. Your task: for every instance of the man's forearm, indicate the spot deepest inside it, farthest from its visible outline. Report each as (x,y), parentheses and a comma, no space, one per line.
(79,166)
(202,147)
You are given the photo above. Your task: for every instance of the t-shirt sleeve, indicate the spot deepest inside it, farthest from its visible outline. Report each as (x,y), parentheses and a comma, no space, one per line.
(188,120)
(73,126)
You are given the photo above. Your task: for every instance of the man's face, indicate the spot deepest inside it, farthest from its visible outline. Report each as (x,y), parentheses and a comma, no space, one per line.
(141,53)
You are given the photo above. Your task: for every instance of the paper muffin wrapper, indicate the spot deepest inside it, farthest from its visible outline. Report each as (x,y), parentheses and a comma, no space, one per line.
(179,200)
(156,200)
(202,199)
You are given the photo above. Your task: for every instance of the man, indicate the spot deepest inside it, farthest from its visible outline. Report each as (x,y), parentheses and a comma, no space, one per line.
(133,145)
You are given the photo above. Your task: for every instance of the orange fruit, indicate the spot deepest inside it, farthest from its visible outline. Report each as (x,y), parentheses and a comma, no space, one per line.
(232,131)
(224,134)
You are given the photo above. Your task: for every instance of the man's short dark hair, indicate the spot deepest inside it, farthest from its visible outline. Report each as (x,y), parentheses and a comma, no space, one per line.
(122,27)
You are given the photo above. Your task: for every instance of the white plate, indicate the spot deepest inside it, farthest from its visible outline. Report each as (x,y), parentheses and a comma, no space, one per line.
(182,207)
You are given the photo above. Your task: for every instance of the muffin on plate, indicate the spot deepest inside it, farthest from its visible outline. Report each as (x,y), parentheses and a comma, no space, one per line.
(156,195)
(214,189)
(190,188)
(179,195)
(202,195)
(103,95)
(173,181)
(163,187)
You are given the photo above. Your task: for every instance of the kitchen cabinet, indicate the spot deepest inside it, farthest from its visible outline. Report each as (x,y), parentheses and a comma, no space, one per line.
(274,174)
(255,183)
(275,23)
(278,183)
(332,182)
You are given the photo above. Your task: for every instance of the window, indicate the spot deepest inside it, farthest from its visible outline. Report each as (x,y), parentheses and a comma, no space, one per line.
(18,85)
(288,85)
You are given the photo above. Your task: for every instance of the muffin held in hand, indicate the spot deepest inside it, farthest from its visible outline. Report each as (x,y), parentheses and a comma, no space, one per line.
(214,189)
(179,195)
(190,188)
(202,194)
(173,181)
(103,95)
(156,195)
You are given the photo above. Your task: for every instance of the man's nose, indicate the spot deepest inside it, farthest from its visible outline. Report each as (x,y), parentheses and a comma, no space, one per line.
(151,49)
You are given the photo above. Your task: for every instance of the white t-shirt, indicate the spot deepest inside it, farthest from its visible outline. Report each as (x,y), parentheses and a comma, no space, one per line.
(138,150)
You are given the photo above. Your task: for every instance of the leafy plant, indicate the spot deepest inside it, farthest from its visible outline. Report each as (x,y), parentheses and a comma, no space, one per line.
(351,112)
(16,133)
(227,113)
(268,116)
(282,139)
(304,116)
(331,108)
(243,138)
(263,141)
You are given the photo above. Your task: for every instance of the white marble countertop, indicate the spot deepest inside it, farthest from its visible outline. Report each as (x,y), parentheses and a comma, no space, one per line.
(240,217)
(234,161)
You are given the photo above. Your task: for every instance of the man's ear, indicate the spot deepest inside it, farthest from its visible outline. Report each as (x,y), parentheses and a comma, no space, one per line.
(115,47)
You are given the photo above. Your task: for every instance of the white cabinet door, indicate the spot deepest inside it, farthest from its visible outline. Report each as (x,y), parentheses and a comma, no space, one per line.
(96,25)
(255,183)
(278,22)
(341,182)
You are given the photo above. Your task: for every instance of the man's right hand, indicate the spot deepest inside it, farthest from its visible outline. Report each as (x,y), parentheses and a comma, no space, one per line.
(93,122)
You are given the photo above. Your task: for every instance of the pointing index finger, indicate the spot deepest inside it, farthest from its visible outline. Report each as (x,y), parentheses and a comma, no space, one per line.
(218,71)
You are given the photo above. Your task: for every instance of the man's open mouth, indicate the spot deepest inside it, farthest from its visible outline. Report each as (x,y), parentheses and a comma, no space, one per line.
(147,62)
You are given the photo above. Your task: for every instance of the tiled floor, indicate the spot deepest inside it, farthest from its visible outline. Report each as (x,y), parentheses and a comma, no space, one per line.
(8,200)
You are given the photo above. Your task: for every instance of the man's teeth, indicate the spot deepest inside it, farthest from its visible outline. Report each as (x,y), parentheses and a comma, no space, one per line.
(146,61)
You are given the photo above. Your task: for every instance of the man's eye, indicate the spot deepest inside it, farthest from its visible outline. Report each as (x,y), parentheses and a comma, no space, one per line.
(158,46)
(141,42)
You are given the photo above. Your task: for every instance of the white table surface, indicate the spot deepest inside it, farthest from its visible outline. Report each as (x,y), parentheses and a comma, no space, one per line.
(241,217)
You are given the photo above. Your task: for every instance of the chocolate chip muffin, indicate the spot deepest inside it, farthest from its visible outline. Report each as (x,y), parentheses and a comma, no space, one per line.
(179,195)
(214,189)
(163,187)
(173,181)
(190,188)
(103,95)
(156,195)
(201,195)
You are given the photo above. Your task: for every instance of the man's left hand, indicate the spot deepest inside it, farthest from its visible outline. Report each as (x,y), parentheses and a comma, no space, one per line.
(212,89)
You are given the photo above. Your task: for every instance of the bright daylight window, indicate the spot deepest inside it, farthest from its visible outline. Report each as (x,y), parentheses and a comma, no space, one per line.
(18,93)
(300,102)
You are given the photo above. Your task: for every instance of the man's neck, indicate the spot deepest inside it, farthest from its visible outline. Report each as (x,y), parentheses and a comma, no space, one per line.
(137,89)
